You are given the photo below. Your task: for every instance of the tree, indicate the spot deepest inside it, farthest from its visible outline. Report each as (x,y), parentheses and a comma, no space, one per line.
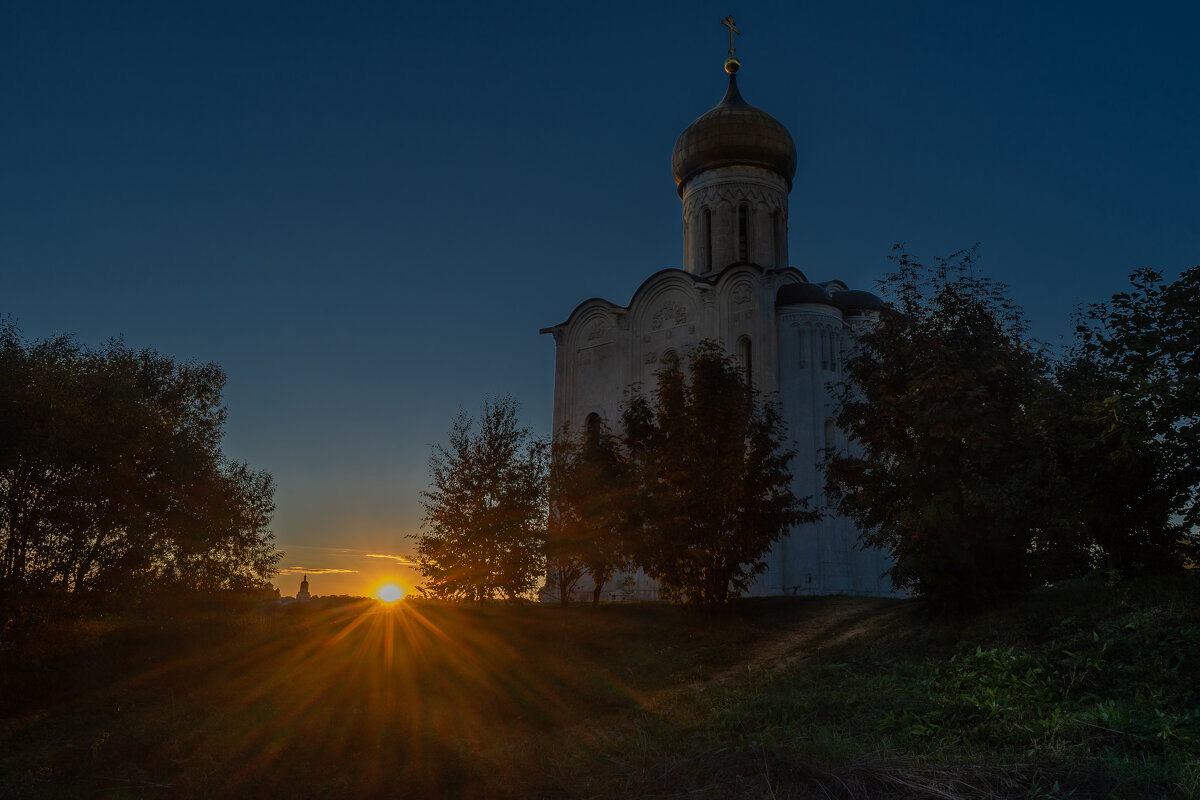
(712,487)
(1134,382)
(589,486)
(484,529)
(948,469)
(112,477)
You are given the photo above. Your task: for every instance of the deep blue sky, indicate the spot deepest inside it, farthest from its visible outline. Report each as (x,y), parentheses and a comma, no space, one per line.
(366,213)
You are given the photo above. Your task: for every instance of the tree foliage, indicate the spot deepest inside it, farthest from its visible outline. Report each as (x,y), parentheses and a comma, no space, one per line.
(589,510)
(711,486)
(948,470)
(112,477)
(1133,380)
(982,466)
(484,529)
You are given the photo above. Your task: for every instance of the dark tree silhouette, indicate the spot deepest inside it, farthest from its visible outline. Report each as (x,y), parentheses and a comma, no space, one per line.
(948,466)
(1132,435)
(484,528)
(711,481)
(112,477)
(589,508)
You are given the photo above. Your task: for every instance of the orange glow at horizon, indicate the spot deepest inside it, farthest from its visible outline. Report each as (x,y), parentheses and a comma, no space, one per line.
(390,593)
(335,571)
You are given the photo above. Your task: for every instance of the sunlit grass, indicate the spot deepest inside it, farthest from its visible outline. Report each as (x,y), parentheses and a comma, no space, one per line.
(364,698)
(358,698)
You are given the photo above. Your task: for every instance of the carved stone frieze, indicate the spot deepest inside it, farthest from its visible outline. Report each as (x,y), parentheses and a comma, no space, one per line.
(732,193)
(671,314)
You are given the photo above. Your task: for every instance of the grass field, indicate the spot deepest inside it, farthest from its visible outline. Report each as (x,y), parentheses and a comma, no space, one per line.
(1085,690)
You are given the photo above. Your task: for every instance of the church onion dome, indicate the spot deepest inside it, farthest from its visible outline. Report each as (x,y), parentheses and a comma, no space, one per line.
(799,294)
(734,133)
(856,301)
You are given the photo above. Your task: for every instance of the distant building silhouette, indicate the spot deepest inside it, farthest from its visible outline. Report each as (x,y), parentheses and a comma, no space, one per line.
(303,593)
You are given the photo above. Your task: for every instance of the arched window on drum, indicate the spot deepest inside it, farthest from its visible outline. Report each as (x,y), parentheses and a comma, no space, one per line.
(779,231)
(743,232)
(708,241)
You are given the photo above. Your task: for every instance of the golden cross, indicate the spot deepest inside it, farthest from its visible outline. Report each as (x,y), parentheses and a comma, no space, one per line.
(729,23)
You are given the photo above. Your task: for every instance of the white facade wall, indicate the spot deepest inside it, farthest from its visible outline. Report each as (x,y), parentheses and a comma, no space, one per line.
(602,350)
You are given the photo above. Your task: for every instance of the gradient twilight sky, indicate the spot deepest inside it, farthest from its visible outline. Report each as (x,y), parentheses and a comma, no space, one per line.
(364,212)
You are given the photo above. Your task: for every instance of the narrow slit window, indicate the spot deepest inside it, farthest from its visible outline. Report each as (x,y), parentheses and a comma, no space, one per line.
(777,233)
(743,233)
(707,240)
(746,356)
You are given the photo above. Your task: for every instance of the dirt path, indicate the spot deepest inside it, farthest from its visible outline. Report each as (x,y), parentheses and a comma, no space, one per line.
(833,620)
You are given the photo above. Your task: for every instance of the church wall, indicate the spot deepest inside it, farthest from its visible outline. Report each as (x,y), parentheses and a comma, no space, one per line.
(795,563)
(667,319)
(723,242)
(762,243)
(797,353)
(590,358)
(824,557)
(745,308)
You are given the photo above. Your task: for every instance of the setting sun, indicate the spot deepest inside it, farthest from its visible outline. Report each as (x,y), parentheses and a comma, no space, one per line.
(389,593)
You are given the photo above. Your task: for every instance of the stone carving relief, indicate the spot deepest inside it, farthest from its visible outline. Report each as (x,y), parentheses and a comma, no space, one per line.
(742,294)
(595,330)
(669,315)
(712,195)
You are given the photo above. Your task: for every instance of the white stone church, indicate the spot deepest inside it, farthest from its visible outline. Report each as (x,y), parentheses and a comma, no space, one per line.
(733,167)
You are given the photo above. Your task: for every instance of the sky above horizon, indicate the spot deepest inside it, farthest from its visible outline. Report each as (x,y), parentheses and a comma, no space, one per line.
(364,214)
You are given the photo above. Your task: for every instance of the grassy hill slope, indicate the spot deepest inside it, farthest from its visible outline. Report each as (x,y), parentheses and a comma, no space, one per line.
(1083,690)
